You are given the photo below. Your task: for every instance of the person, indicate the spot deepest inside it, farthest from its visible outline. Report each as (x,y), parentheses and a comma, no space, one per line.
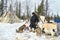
(33,21)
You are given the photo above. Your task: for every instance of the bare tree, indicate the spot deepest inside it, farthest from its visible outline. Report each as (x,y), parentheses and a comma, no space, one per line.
(28,9)
(47,8)
(35,8)
(10,8)
(3,6)
(19,10)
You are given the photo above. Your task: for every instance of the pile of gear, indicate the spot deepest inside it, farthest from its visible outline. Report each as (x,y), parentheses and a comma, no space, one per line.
(9,18)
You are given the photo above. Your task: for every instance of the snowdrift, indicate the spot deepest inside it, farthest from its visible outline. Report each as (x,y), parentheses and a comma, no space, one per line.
(8,32)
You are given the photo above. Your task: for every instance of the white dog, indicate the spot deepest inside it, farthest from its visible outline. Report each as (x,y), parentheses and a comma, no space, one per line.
(48,28)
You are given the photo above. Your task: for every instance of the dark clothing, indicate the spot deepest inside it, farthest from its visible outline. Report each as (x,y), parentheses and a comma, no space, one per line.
(32,25)
(34,19)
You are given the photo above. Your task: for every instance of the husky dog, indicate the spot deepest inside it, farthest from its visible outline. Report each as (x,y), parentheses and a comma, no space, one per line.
(38,31)
(50,29)
(23,27)
(20,29)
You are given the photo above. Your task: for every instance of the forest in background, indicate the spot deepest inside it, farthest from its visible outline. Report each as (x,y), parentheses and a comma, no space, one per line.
(42,9)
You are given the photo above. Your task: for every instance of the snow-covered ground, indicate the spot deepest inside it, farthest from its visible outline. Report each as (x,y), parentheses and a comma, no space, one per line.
(8,32)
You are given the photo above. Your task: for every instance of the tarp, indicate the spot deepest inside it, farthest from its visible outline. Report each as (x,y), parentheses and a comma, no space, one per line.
(57,20)
(9,18)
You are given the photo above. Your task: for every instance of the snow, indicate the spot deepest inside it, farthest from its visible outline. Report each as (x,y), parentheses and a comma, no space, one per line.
(8,32)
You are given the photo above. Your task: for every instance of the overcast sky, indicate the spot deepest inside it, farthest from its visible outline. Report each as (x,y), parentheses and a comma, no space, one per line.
(54,5)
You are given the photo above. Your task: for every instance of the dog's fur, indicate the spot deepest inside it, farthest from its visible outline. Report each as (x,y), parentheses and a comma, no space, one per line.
(20,29)
(50,28)
(23,27)
(38,31)
(42,18)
